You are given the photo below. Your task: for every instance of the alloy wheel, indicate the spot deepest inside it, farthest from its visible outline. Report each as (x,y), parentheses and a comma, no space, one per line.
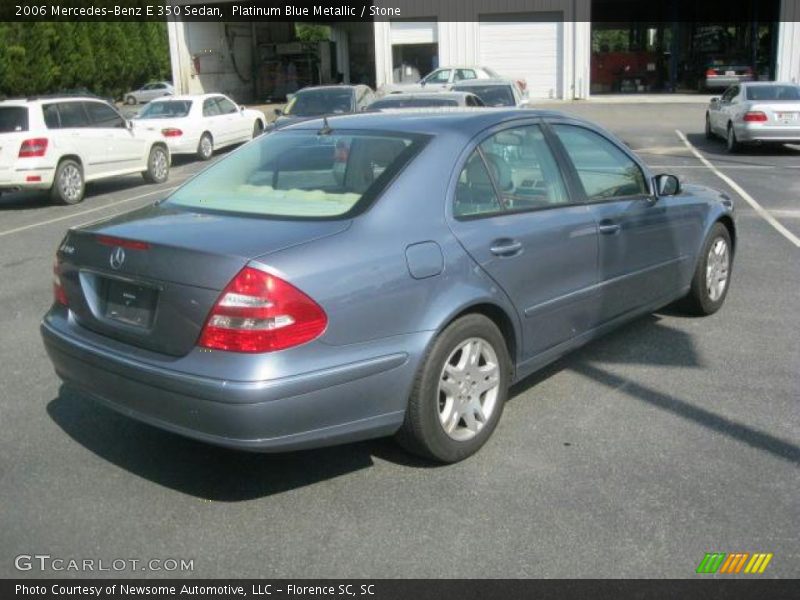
(70,183)
(468,388)
(717,268)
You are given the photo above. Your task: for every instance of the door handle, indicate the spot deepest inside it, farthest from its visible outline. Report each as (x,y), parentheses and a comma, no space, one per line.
(505,248)
(608,228)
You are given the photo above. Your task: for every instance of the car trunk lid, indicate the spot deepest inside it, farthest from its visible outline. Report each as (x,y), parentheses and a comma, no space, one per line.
(779,112)
(151,277)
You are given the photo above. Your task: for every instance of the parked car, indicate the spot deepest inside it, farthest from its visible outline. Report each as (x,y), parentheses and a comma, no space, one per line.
(200,124)
(426,100)
(494,92)
(756,112)
(61,143)
(721,73)
(148,92)
(441,79)
(270,304)
(321,100)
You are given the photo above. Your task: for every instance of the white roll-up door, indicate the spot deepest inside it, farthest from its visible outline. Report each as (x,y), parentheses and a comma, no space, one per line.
(531,50)
(414,32)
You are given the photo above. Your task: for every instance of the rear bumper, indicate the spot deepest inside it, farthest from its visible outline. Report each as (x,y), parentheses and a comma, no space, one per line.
(181,145)
(348,402)
(753,132)
(33,178)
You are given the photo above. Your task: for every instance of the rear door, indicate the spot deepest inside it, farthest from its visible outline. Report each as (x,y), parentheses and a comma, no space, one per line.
(76,137)
(124,151)
(642,239)
(513,211)
(237,127)
(214,121)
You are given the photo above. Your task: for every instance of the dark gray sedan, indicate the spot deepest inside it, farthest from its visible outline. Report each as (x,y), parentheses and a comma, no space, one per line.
(377,274)
(427,100)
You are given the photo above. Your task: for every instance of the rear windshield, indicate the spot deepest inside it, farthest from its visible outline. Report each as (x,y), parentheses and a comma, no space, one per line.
(13,118)
(319,102)
(169,109)
(413,102)
(773,92)
(301,174)
(494,95)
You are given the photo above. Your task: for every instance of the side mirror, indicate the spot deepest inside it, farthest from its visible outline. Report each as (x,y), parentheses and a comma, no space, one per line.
(667,185)
(241,108)
(278,112)
(715,100)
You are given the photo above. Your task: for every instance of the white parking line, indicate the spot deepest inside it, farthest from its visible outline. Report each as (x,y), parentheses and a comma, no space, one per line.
(739,190)
(84,212)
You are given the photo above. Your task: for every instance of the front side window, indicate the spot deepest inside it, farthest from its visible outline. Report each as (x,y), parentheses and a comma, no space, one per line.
(441,76)
(516,172)
(102,115)
(300,174)
(226,107)
(605,171)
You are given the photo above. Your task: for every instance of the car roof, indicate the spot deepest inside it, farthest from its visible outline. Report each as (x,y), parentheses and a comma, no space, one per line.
(338,86)
(483,82)
(466,121)
(49,99)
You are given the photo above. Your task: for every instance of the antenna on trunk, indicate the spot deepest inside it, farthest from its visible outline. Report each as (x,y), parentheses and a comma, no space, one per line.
(326,128)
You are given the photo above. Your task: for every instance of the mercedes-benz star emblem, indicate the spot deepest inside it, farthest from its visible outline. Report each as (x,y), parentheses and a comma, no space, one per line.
(117,258)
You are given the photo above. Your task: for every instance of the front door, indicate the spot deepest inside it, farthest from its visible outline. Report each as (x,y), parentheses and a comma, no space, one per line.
(640,236)
(124,151)
(513,212)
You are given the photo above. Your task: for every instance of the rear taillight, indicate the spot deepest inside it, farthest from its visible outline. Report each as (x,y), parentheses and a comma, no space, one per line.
(258,312)
(33,147)
(171,132)
(59,295)
(711,72)
(754,116)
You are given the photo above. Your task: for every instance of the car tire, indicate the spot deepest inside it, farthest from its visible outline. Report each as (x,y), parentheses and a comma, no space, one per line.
(69,186)
(709,133)
(157,165)
(258,128)
(205,147)
(731,143)
(706,295)
(130,100)
(433,427)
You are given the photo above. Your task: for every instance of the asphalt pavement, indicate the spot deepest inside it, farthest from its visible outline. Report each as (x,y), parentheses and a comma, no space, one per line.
(632,457)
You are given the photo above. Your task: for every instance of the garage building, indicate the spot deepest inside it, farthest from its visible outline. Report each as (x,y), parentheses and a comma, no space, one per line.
(553,44)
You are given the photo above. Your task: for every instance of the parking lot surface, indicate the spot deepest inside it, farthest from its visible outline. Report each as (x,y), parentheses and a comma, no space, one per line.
(633,457)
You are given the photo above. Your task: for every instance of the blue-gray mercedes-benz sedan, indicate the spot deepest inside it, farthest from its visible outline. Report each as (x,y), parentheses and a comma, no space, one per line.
(377,274)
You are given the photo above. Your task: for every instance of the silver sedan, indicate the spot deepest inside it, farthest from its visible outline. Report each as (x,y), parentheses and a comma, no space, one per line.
(755,112)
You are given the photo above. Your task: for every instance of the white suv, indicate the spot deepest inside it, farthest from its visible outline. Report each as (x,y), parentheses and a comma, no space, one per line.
(59,144)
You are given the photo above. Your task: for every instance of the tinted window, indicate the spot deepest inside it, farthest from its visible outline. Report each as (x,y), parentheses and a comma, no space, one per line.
(210,107)
(300,174)
(406,102)
(604,169)
(462,74)
(72,114)
(442,76)
(475,192)
(226,107)
(51,118)
(171,109)
(319,102)
(102,115)
(729,94)
(494,95)
(773,92)
(13,118)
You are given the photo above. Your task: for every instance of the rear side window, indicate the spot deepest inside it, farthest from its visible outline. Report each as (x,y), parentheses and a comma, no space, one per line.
(13,118)
(494,95)
(413,102)
(102,115)
(210,107)
(72,114)
(165,110)
(301,174)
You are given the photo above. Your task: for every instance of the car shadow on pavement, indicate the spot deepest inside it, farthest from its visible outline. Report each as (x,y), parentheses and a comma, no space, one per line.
(224,475)
(649,342)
